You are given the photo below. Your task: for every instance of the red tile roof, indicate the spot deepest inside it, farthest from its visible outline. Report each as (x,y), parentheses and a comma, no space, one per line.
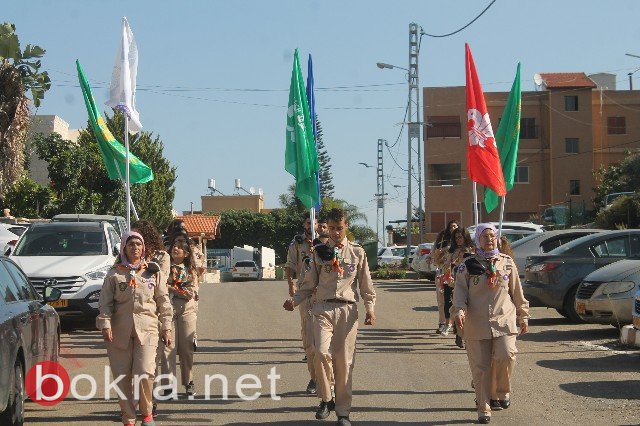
(558,80)
(197,224)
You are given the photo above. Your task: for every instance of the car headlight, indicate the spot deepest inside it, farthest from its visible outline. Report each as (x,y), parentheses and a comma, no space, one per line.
(98,274)
(617,287)
(94,297)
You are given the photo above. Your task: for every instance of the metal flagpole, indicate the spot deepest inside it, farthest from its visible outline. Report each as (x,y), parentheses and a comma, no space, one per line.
(312,217)
(133,206)
(501,216)
(127,178)
(475,203)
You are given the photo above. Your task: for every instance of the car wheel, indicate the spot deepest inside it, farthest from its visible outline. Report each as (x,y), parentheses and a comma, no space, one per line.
(561,312)
(13,415)
(570,306)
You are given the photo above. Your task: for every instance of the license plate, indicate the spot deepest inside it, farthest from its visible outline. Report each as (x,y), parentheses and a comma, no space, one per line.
(244,275)
(581,308)
(636,323)
(61,303)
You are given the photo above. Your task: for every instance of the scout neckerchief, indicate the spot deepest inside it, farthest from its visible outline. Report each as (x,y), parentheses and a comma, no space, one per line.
(177,278)
(492,275)
(335,261)
(132,271)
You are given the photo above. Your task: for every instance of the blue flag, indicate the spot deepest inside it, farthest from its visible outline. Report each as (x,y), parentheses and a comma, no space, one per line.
(311,99)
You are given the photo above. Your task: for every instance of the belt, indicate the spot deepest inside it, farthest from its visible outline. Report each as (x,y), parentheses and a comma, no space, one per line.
(339,301)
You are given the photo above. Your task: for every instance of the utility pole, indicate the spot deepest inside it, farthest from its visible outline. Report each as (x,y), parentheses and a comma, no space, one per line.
(380,194)
(413,111)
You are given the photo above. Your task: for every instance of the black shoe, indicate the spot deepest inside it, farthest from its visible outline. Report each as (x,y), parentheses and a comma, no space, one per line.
(439,329)
(324,409)
(311,387)
(190,389)
(495,405)
(304,359)
(154,409)
(195,344)
(505,403)
(343,421)
(459,342)
(484,419)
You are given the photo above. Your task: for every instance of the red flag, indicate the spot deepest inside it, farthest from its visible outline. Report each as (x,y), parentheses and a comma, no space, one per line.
(483,161)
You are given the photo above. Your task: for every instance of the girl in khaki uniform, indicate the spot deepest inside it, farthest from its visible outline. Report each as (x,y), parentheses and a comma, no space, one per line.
(134,310)
(489,306)
(183,288)
(461,245)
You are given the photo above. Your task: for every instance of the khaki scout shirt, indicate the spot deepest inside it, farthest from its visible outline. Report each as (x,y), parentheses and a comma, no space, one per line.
(490,312)
(329,284)
(163,260)
(296,255)
(138,311)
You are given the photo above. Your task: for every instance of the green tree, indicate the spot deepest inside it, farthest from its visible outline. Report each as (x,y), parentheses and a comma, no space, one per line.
(29,199)
(19,73)
(624,213)
(326,177)
(623,177)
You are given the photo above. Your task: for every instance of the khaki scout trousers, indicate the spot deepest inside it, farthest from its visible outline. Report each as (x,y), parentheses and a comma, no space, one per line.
(132,363)
(491,362)
(335,328)
(185,317)
(307,335)
(440,299)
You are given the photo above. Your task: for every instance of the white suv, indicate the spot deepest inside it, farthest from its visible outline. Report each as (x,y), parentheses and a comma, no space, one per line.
(73,257)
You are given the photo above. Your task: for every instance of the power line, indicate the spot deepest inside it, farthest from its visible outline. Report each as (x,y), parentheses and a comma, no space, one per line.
(457,31)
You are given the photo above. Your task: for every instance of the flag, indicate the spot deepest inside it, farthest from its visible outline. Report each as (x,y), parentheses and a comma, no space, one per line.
(312,112)
(301,157)
(507,138)
(113,152)
(122,92)
(483,162)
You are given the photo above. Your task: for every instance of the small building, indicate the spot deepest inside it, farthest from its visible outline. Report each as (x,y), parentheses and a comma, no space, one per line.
(45,125)
(221,203)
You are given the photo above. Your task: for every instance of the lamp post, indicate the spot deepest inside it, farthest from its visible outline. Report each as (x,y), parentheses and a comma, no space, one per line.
(414,123)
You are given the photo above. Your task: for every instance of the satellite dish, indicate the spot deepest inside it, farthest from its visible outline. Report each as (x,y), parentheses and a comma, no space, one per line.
(537,79)
(260,191)
(252,190)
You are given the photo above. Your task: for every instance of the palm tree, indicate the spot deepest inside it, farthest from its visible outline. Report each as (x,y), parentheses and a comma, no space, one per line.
(19,73)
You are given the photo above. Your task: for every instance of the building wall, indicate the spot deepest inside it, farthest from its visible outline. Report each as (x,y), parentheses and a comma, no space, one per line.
(220,203)
(46,124)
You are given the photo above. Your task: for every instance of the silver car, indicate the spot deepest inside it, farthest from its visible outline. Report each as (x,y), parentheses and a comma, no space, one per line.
(606,296)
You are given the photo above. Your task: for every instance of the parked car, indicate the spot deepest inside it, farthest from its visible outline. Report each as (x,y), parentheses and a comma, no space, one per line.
(540,243)
(610,198)
(9,235)
(558,215)
(393,255)
(73,257)
(636,310)
(29,332)
(422,261)
(552,279)
(245,270)
(606,296)
(118,222)
(513,231)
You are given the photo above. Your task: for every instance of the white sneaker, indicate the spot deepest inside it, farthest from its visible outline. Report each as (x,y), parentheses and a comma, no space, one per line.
(447,329)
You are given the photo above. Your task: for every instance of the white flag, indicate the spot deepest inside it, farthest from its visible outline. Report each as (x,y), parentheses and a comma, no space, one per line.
(122,91)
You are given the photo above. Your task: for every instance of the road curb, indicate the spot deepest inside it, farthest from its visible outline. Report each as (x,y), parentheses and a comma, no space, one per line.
(630,336)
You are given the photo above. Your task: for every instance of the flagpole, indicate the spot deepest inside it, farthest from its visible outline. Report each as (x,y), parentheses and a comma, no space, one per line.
(133,206)
(127,177)
(475,203)
(501,216)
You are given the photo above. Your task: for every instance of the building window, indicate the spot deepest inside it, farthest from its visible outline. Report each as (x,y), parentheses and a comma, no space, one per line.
(445,174)
(572,145)
(571,103)
(574,187)
(616,125)
(443,126)
(522,174)
(528,128)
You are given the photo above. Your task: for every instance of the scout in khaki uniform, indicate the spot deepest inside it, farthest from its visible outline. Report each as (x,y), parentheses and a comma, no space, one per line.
(183,287)
(134,310)
(338,272)
(299,251)
(489,306)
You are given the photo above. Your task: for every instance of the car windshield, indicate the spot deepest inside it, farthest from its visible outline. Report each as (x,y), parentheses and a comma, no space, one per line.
(245,264)
(48,242)
(612,197)
(525,239)
(399,251)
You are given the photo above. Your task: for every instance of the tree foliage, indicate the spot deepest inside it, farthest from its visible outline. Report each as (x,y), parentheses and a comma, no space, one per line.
(326,177)
(624,213)
(27,198)
(623,177)
(19,73)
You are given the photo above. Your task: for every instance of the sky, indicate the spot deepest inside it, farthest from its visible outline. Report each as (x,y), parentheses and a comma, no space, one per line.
(213,76)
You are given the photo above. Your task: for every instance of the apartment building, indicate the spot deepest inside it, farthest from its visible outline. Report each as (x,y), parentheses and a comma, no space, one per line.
(572,125)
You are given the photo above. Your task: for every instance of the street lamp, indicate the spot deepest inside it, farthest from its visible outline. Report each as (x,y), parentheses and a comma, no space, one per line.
(382,65)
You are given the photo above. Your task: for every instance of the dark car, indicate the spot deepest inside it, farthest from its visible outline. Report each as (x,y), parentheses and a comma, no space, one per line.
(552,279)
(29,334)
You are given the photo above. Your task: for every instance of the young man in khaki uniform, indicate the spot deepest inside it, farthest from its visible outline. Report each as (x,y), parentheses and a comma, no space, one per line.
(489,306)
(338,272)
(299,250)
(134,311)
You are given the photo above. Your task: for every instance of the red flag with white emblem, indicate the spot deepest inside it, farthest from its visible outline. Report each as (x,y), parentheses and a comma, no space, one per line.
(483,160)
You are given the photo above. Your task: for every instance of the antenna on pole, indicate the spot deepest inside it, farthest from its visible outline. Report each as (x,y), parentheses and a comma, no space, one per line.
(239,188)
(211,184)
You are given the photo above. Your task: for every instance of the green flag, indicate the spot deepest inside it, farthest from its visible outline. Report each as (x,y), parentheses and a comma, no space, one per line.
(113,152)
(507,138)
(301,156)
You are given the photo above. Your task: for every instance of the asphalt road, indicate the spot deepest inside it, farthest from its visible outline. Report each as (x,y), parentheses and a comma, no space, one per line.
(404,373)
